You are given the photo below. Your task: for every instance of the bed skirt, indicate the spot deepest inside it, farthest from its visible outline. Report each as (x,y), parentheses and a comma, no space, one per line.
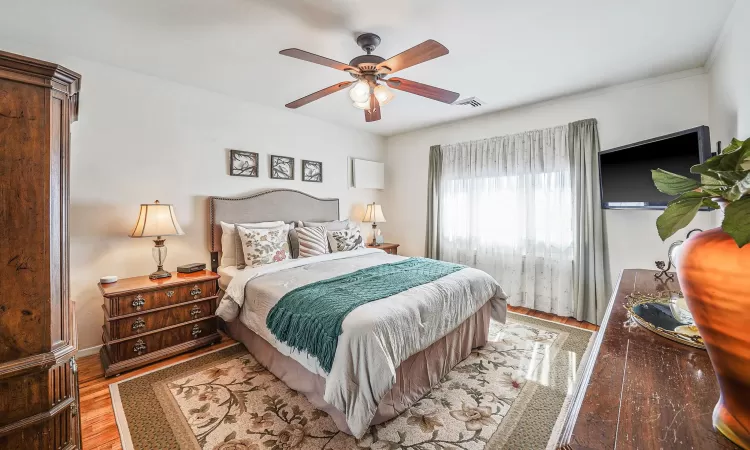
(415,377)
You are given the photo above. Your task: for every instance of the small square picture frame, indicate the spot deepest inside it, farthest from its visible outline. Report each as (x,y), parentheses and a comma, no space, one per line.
(282,167)
(312,171)
(243,164)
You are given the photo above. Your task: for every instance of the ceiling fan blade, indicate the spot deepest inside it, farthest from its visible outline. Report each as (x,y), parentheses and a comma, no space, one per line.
(317,95)
(425,51)
(317,59)
(423,90)
(373,114)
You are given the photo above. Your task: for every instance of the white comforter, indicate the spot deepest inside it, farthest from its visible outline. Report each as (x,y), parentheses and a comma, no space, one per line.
(376,337)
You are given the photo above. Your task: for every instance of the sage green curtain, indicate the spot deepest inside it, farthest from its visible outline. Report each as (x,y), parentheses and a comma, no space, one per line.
(590,274)
(434,178)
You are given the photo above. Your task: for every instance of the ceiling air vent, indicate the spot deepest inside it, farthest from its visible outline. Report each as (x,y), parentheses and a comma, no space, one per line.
(471,101)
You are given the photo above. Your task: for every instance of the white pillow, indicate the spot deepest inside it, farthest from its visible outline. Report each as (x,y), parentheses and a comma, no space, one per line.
(345,240)
(332,225)
(229,255)
(263,246)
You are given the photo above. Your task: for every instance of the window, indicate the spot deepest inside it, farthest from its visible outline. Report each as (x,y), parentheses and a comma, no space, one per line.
(509,211)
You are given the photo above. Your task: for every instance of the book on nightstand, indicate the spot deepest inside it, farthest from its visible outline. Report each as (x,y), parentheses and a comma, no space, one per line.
(190,268)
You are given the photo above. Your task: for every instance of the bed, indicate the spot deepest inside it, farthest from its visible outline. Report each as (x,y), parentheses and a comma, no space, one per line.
(390,352)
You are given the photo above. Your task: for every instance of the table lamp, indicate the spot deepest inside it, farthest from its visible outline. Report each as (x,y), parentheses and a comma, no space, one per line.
(157,220)
(374,214)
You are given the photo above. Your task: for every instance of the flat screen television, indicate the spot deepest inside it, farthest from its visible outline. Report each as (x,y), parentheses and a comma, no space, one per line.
(625,172)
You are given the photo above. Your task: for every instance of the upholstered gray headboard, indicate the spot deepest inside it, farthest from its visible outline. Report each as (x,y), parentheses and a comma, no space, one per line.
(274,204)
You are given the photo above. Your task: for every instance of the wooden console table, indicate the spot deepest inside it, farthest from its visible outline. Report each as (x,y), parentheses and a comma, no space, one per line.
(640,390)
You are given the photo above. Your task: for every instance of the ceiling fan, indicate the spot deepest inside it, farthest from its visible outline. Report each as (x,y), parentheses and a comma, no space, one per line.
(370,88)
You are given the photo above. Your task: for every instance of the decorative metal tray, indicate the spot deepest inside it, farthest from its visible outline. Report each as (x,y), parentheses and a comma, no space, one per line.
(653,312)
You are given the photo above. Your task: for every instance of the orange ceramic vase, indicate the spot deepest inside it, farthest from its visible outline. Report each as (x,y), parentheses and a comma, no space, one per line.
(714,275)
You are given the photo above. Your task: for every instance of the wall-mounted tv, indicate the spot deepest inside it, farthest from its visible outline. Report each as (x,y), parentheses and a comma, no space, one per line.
(625,172)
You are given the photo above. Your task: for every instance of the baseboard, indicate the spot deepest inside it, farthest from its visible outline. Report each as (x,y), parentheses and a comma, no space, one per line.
(88,351)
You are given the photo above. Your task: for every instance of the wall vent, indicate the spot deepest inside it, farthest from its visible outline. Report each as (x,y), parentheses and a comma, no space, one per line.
(471,101)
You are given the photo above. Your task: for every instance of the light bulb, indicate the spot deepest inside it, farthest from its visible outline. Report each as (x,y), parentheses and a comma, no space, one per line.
(360,92)
(383,94)
(362,105)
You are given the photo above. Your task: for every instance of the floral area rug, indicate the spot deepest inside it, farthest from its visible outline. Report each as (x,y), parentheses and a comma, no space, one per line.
(509,394)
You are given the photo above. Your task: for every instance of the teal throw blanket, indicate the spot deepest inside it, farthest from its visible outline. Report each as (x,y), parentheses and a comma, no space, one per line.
(309,317)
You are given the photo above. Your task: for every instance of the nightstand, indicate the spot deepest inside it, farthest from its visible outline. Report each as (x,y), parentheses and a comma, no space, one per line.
(149,320)
(389,248)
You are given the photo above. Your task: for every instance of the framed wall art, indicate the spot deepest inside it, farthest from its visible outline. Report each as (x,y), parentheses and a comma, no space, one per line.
(282,167)
(312,171)
(243,164)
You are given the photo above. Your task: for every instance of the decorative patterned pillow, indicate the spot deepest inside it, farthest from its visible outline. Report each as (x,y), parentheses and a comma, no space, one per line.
(230,241)
(345,240)
(238,242)
(310,241)
(264,246)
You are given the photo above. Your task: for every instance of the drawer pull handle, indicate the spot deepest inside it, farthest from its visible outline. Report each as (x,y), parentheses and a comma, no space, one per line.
(139,347)
(138,324)
(138,302)
(196,331)
(170,294)
(195,311)
(195,291)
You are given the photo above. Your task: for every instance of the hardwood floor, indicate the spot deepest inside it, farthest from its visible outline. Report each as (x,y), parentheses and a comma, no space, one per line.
(98,425)
(547,316)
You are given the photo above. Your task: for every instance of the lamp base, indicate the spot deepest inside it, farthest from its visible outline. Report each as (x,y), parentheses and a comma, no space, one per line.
(159,252)
(161,273)
(374,232)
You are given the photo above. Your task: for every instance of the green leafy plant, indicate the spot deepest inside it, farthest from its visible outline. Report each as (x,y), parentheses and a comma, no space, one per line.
(724,178)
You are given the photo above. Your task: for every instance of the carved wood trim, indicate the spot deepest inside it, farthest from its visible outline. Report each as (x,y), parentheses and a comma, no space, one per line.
(41,374)
(146,333)
(37,418)
(74,107)
(174,281)
(149,311)
(39,73)
(39,362)
(111,369)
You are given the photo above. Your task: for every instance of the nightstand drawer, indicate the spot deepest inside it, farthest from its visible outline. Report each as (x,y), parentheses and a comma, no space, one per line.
(391,249)
(134,346)
(149,321)
(144,301)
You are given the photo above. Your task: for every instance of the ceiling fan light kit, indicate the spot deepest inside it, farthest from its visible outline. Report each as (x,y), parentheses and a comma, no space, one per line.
(383,94)
(371,90)
(362,105)
(360,92)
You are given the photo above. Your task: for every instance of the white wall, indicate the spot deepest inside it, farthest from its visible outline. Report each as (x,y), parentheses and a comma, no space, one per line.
(626,114)
(729,75)
(729,91)
(140,138)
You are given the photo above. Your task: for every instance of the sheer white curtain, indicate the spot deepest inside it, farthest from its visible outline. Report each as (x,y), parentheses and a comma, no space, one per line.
(507,208)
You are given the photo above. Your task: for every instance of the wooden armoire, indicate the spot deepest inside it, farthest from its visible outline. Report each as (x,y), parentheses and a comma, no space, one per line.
(38,374)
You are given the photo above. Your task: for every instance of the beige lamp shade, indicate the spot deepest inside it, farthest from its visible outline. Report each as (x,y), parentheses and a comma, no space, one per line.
(374,214)
(156,219)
